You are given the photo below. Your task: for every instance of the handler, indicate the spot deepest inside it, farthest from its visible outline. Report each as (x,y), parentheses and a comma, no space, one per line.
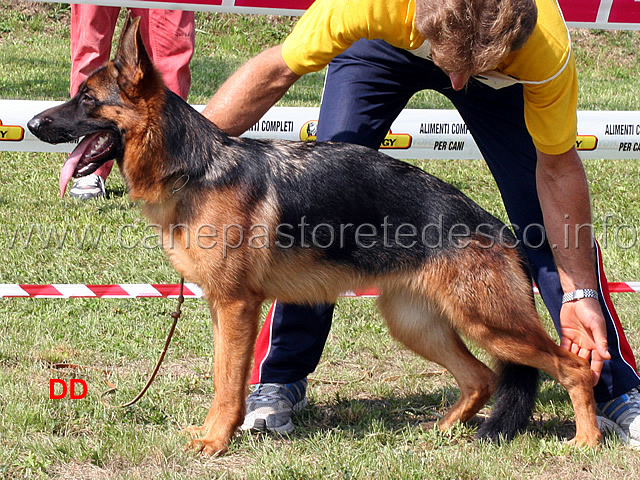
(507,66)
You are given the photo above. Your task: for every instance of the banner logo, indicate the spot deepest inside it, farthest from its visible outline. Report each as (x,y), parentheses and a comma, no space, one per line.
(11,133)
(586,142)
(396,140)
(392,140)
(309,131)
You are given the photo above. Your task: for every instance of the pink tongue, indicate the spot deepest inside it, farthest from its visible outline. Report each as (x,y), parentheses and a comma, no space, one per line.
(69,167)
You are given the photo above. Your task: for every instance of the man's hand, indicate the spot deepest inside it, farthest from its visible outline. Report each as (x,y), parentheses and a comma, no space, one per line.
(584,333)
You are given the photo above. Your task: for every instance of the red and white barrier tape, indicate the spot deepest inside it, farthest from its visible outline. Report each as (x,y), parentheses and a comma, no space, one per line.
(122,290)
(617,14)
(191,290)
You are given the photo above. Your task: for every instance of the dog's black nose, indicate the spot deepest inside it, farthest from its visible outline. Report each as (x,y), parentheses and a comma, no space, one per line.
(36,123)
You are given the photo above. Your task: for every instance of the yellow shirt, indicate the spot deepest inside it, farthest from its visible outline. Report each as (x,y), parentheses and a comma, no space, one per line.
(544,66)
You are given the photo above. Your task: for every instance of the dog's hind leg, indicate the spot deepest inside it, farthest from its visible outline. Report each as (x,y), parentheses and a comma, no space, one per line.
(487,296)
(534,348)
(235,328)
(413,322)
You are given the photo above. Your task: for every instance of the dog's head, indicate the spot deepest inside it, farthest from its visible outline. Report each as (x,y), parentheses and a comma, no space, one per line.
(105,109)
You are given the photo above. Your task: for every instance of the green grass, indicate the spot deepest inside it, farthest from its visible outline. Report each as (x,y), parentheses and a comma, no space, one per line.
(610,74)
(368,396)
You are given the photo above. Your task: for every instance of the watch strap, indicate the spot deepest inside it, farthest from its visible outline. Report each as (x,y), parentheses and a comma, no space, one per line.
(578,294)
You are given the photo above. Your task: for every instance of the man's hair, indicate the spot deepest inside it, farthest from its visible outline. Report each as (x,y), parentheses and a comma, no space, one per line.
(473,36)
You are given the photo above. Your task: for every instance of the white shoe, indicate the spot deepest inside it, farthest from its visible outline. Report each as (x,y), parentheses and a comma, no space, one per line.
(91,186)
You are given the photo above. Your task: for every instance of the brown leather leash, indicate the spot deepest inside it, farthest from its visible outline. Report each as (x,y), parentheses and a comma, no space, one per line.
(175,315)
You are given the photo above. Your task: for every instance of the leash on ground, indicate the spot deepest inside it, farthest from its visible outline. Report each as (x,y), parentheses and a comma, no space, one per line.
(175,315)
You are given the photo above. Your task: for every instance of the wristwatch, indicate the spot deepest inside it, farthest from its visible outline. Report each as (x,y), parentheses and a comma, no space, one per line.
(578,294)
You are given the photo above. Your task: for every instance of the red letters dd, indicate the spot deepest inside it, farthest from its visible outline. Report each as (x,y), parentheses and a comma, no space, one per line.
(73,394)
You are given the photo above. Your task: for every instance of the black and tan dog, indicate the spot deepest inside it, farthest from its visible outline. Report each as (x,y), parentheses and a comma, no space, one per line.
(249,220)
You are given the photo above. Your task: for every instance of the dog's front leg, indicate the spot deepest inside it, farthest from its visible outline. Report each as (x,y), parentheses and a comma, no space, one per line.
(235,328)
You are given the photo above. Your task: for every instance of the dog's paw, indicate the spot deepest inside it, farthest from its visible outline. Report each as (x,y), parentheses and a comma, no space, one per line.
(207,447)
(591,440)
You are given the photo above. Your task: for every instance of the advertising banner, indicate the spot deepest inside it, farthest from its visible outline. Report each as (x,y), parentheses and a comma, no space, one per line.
(416,133)
(612,14)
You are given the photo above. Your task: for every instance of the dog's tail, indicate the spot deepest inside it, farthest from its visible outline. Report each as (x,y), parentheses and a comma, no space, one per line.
(515,398)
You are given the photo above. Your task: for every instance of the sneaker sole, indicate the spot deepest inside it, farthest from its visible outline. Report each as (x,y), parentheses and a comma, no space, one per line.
(260,425)
(87,196)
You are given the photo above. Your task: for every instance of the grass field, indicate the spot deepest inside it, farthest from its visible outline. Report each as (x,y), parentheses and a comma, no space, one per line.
(368,396)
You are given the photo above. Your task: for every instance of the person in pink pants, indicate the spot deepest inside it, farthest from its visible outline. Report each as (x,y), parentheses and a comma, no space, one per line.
(169,36)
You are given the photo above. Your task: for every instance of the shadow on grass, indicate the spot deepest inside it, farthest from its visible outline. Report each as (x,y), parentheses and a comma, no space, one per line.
(359,417)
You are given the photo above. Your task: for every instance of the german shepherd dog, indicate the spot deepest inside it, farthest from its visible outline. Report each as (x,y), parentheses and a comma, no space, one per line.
(326,218)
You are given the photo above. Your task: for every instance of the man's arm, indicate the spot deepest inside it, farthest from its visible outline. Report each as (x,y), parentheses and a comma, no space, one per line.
(564,197)
(250,92)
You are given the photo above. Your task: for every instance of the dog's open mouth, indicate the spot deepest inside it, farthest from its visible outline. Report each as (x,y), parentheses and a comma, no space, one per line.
(91,153)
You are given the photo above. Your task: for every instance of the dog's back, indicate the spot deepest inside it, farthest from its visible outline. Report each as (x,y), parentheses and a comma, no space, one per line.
(349,204)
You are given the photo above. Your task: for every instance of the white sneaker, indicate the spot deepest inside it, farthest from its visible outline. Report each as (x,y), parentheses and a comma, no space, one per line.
(91,186)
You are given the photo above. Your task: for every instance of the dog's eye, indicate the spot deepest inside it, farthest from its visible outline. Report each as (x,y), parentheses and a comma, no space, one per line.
(87,99)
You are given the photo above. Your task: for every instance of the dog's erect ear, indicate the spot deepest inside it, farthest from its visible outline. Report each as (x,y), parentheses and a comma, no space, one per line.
(132,60)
